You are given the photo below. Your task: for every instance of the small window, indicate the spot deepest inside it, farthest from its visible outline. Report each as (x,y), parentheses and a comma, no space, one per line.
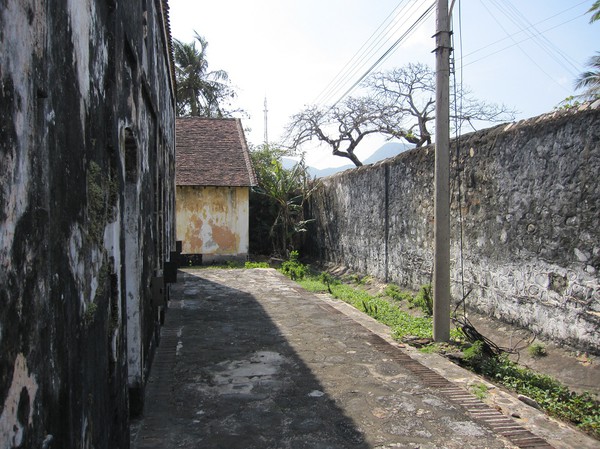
(131,155)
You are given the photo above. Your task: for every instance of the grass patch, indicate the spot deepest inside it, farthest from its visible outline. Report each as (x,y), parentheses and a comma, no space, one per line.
(581,410)
(479,390)
(537,350)
(382,309)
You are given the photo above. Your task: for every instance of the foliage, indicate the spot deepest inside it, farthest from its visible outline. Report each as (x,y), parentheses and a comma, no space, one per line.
(537,350)
(568,103)
(287,190)
(556,399)
(479,390)
(402,323)
(328,280)
(580,409)
(595,10)
(293,268)
(257,265)
(200,93)
(394,292)
(589,80)
(423,300)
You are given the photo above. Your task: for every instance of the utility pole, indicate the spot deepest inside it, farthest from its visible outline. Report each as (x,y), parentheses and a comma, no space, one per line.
(441,268)
(266,129)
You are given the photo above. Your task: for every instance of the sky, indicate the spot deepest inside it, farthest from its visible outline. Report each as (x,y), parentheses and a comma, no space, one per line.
(525,54)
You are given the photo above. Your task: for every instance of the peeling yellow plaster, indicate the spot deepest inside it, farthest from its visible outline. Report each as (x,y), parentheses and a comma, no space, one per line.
(213,220)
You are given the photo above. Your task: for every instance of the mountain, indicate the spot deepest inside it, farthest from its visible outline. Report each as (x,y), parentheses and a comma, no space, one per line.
(386,151)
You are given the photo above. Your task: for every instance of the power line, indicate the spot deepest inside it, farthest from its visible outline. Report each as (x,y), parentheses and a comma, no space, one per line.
(368,44)
(522,23)
(388,52)
(512,37)
(372,49)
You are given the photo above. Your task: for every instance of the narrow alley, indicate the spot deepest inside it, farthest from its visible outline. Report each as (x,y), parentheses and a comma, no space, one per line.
(248,359)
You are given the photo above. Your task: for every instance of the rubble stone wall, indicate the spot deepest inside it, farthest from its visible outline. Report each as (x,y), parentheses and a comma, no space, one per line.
(529,206)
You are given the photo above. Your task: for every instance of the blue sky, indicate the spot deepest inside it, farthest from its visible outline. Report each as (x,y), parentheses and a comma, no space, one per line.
(290,51)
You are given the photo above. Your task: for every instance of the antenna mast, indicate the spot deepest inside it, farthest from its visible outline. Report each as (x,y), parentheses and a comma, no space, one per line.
(266,128)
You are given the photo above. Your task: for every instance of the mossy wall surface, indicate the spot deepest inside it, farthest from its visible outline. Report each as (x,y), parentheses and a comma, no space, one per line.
(73,76)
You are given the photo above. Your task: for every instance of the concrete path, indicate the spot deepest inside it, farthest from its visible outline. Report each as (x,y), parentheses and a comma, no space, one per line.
(250,360)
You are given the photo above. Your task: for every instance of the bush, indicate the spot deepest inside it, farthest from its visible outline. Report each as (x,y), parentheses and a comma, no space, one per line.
(293,268)
(423,300)
(395,293)
(257,265)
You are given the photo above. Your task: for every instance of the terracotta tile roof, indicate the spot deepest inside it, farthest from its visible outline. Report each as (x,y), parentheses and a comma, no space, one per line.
(212,152)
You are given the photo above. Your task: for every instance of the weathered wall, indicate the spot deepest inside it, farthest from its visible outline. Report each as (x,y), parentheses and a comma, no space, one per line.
(530,205)
(213,220)
(86,192)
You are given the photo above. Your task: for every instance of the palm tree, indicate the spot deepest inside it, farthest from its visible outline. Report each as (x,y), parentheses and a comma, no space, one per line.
(590,80)
(595,10)
(199,92)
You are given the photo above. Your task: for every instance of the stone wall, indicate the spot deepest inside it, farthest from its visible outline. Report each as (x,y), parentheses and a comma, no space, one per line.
(530,209)
(86,214)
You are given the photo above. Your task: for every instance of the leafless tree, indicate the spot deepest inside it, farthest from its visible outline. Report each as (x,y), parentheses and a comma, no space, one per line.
(410,92)
(400,103)
(343,126)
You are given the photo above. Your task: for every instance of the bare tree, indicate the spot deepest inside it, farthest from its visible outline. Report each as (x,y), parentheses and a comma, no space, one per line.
(410,92)
(400,104)
(343,126)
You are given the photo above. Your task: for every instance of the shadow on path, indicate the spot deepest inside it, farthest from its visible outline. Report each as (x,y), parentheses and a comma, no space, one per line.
(226,377)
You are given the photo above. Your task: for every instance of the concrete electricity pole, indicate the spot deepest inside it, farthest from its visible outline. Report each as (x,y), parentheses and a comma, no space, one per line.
(441,269)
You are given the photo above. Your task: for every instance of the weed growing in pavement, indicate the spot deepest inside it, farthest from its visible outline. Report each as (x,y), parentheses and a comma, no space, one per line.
(555,398)
(479,390)
(293,268)
(537,350)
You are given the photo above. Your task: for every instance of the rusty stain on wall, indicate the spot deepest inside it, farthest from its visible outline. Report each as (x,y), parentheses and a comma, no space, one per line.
(213,220)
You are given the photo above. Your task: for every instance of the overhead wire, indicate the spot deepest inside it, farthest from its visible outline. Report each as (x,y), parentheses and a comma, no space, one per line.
(407,11)
(381,40)
(560,13)
(366,46)
(522,23)
(387,53)
(527,55)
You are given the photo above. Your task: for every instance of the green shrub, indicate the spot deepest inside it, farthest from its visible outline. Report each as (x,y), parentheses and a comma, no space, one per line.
(397,294)
(293,268)
(328,280)
(537,350)
(257,265)
(423,300)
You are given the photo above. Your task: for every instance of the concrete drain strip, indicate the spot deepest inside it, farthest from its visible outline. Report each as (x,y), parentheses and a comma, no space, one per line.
(498,422)
(478,410)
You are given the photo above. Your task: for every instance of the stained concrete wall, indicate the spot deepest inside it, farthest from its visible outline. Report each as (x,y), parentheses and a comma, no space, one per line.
(213,221)
(86,214)
(529,207)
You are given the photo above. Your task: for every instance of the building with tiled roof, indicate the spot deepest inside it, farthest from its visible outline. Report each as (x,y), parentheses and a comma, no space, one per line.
(213,176)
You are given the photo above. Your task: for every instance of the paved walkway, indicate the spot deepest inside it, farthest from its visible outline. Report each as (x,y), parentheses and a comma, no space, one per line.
(250,360)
